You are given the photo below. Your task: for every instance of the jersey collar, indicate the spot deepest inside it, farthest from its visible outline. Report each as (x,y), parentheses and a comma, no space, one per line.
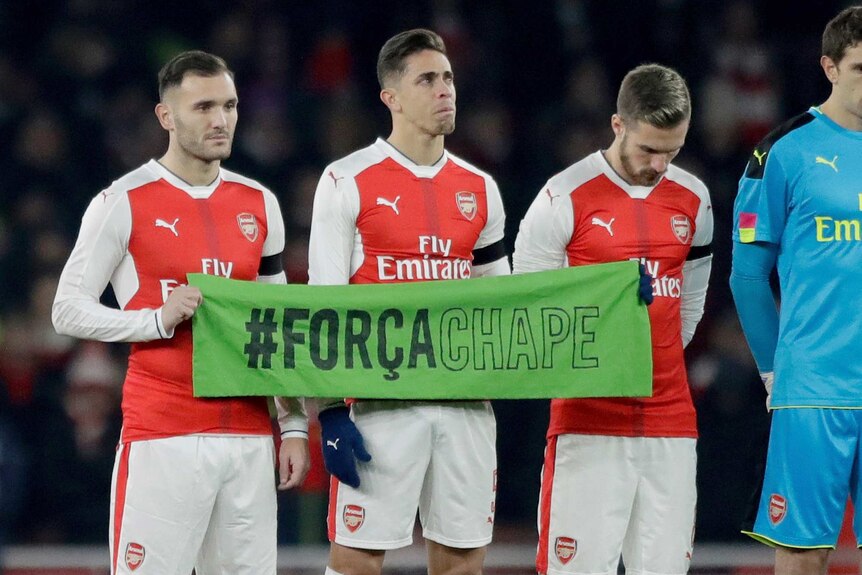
(419,171)
(636,192)
(197,192)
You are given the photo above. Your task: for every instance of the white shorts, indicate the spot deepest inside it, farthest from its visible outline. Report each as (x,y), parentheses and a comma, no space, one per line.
(604,496)
(439,457)
(196,501)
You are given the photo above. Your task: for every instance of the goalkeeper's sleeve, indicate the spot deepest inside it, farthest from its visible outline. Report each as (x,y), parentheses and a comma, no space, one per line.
(755,305)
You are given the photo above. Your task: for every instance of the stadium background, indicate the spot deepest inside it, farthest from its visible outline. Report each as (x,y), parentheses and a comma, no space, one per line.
(536,87)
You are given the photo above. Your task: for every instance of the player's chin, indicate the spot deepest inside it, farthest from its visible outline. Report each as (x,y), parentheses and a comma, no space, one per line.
(649,179)
(446,128)
(217,154)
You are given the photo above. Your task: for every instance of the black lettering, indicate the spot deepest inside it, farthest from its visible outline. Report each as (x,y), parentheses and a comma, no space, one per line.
(389,363)
(292,337)
(328,317)
(420,342)
(357,339)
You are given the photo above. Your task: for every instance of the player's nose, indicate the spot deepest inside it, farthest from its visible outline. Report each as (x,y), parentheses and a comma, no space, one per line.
(659,163)
(446,90)
(219,119)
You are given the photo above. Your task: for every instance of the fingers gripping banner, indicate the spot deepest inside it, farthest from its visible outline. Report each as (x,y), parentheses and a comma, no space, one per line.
(575,332)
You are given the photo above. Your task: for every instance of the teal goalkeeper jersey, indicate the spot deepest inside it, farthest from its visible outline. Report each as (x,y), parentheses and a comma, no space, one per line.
(802,190)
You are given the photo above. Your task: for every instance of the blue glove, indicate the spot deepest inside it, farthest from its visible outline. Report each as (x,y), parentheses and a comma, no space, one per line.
(645,286)
(342,444)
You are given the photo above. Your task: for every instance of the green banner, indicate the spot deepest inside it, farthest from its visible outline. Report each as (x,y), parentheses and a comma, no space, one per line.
(574,332)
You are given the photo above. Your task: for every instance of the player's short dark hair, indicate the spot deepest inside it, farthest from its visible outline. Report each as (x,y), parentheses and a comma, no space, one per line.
(842,32)
(194,62)
(390,61)
(654,94)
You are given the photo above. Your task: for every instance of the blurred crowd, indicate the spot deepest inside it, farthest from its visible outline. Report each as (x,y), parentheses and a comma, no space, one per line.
(536,83)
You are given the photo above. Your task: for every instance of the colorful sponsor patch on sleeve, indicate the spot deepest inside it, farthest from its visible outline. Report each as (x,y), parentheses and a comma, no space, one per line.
(747,224)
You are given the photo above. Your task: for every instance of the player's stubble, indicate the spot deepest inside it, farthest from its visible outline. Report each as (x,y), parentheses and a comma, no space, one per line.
(212,146)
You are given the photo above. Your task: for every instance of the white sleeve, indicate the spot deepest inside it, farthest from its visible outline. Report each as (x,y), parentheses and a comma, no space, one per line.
(695,279)
(495,227)
(333,230)
(695,272)
(274,242)
(492,233)
(101,248)
(292,418)
(544,233)
(498,267)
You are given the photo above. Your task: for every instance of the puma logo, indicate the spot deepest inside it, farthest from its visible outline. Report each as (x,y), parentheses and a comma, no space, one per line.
(607,226)
(160,223)
(333,444)
(393,204)
(758,155)
(335,179)
(551,196)
(831,164)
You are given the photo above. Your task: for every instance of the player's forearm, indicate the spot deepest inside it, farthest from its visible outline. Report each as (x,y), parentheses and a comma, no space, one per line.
(695,282)
(86,319)
(292,418)
(755,305)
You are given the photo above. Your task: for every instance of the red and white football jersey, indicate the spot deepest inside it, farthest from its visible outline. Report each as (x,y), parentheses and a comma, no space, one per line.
(144,234)
(381,218)
(587,214)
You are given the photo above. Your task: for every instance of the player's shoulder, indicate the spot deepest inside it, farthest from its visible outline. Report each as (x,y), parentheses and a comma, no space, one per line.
(491,185)
(356,162)
(687,180)
(236,178)
(576,175)
(119,189)
(467,166)
(788,134)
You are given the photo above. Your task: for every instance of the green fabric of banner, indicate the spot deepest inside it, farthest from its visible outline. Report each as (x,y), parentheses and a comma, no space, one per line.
(574,332)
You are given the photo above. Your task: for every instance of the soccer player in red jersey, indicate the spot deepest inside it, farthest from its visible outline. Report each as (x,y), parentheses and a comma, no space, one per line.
(619,473)
(193,479)
(402,210)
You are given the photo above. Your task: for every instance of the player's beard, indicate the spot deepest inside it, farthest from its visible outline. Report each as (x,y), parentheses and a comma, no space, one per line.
(447,127)
(644,177)
(442,128)
(200,147)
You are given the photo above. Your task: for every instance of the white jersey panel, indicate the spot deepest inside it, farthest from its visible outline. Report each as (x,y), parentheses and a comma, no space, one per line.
(101,255)
(335,246)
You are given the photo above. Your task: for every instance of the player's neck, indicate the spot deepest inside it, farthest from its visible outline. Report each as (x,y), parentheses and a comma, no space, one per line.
(191,170)
(422,150)
(835,111)
(612,155)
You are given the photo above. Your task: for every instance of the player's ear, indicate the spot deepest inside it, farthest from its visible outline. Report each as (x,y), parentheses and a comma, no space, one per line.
(390,99)
(617,125)
(165,116)
(830,68)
